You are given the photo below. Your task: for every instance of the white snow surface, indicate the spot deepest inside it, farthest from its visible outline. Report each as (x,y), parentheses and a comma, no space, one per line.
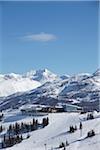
(10,84)
(13,83)
(50,83)
(57,132)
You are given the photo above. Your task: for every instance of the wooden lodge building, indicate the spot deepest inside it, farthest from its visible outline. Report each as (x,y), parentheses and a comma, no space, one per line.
(39,110)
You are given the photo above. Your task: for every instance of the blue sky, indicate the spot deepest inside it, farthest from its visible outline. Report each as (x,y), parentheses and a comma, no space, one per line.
(60,36)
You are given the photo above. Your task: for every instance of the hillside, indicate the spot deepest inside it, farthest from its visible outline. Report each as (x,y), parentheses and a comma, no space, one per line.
(57,132)
(82,89)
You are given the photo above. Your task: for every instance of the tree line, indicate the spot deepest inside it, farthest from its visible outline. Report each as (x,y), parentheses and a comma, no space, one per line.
(15,131)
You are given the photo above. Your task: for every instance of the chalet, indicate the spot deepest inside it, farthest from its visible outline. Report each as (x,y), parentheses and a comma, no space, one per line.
(57,109)
(52,109)
(38,110)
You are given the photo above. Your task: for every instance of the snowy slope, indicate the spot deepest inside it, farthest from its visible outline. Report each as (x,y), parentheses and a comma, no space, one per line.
(57,132)
(78,88)
(82,89)
(13,83)
(51,89)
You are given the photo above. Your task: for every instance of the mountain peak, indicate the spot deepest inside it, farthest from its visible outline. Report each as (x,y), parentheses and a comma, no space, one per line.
(41,71)
(44,70)
(42,75)
(97,72)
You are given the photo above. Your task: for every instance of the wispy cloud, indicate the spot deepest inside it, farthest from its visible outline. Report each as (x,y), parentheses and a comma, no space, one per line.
(41,37)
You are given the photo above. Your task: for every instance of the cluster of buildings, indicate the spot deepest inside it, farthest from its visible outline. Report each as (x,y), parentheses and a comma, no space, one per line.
(40,110)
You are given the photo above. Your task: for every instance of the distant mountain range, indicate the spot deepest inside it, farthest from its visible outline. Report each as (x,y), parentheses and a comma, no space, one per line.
(13,83)
(45,87)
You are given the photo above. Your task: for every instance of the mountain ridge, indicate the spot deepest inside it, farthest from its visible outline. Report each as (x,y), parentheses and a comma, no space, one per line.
(81,88)
(36,78)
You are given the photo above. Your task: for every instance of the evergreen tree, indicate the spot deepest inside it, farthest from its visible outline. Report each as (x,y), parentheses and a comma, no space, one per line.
(4,138)
(33,121)
(75,127)
(67,143)
(36,124)
(62,145)
(21,137)
(80,127)
(1,128)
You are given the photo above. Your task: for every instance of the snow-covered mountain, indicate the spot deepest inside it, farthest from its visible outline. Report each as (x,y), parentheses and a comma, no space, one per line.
(97,73)
(13,83)
(42,76)
(51,89)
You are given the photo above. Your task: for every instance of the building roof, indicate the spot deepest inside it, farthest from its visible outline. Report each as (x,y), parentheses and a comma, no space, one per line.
(69,105)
